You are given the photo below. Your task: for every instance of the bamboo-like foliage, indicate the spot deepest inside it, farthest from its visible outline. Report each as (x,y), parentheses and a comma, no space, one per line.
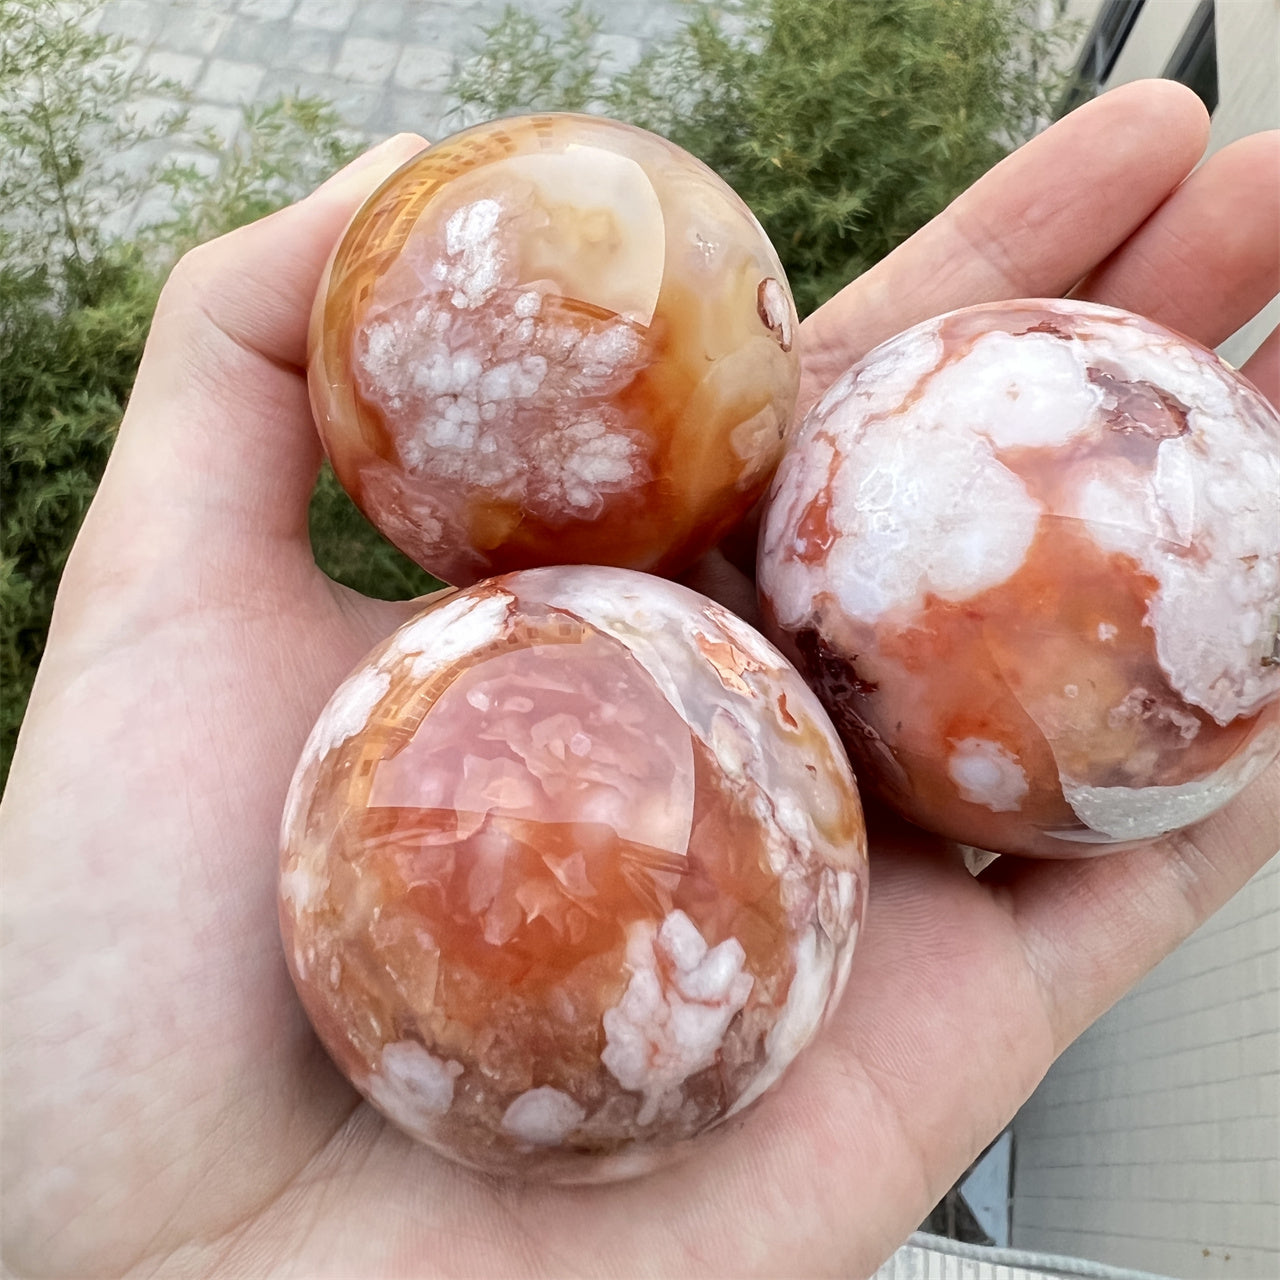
(844,124)
(78,284)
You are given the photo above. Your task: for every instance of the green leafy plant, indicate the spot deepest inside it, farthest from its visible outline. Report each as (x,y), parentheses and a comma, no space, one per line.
(526,66)
(284,148)
(74,308)
(844,126)
(77,293)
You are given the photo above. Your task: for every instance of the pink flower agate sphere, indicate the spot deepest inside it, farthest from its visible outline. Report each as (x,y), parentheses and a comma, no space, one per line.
(572,868)
(1028,554)
(553,340)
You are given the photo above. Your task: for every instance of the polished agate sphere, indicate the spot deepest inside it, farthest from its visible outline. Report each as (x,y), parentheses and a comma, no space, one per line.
(572,868)
(1028,554)
(553,340)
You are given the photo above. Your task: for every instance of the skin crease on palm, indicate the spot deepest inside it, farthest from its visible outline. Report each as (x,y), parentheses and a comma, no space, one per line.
(167,1109)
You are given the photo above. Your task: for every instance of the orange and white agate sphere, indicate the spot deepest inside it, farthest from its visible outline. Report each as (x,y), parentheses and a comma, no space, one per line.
(1028,554)
(572,869)
(554,339)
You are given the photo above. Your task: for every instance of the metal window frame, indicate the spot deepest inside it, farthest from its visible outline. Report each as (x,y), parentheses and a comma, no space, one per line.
(1201,32)
(1100,52)
(1110,32)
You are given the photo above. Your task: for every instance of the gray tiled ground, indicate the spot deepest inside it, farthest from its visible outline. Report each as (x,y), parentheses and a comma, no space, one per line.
(385,64)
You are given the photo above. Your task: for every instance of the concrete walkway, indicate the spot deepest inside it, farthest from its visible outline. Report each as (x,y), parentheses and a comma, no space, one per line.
(384,64)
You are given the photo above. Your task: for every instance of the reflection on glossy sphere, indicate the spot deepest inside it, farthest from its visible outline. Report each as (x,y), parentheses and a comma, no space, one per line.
(550,340)
(1029,556)
(572,868)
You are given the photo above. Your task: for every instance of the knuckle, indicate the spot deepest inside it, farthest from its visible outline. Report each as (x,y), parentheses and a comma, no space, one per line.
(192,275)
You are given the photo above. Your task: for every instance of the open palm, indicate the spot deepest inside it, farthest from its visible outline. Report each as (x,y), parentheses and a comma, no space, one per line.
(167,1109)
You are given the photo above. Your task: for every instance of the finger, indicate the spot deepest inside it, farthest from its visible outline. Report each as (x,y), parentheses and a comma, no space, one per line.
(257,284)
(377,619)
(1208,260)
(1263,367)
(1093,927)
(1032,227)
(217,451)
(714,575)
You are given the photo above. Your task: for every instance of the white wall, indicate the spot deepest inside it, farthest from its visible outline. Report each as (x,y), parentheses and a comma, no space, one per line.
(1154,1142)
(1249,85)
(1248,43)
(1154,37)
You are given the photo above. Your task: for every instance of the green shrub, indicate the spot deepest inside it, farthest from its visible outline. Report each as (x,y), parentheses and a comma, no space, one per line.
(71,349)
(845,125)
(76,298)
(525,65)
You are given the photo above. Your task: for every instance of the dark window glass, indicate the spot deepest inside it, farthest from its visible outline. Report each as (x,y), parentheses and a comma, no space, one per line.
(1195,60)
(1101,48)
(1111,31)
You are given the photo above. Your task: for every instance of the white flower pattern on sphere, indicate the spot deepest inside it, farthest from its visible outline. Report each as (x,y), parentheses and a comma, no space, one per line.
(1028,554)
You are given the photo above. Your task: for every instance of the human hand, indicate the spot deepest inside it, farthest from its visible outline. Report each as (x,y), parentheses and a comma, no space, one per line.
(168,1108)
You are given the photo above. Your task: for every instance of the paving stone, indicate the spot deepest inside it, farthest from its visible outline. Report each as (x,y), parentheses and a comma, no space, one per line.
(223,123)
(383,18)
(250,40)
(381,123)
(329,15)
(421,67)
(422,113)
(135,167)
(366,60)
(226,81)
(208,6)
(363,107)
(304,84)
(191,30)
(266,10)
(153,111)
(153,208)
(356,104)
(384,64)
(310,50)
(124,60)
(135,20)
(454,26)
(182,68)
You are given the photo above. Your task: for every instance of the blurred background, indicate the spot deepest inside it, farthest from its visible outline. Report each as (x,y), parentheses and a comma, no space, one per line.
(131,130)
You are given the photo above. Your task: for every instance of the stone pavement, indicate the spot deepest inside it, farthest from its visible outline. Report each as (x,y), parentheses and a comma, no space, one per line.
(384,64)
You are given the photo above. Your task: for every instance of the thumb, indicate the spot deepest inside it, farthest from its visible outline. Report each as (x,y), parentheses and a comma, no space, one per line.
(217,453)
